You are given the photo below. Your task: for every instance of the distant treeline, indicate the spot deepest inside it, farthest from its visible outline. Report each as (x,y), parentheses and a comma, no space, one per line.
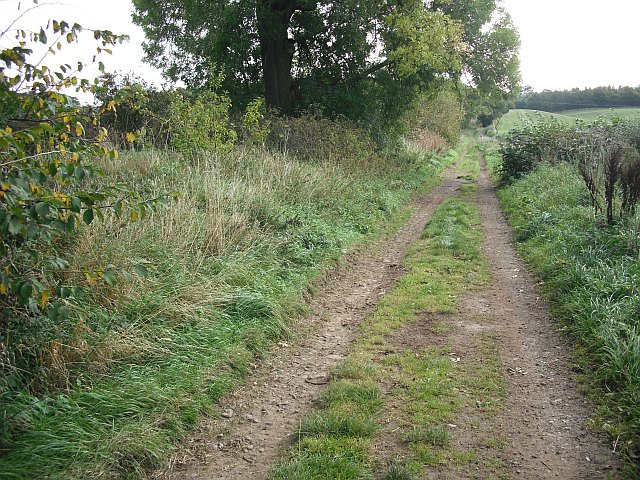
(600,97)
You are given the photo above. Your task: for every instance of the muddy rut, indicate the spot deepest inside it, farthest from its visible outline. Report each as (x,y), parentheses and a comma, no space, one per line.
(543,420)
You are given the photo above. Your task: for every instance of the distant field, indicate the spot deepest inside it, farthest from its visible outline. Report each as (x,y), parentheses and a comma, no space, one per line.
(592,114)
(515,117)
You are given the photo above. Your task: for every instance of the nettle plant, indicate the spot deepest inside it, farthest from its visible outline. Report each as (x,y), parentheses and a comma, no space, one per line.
(50,148)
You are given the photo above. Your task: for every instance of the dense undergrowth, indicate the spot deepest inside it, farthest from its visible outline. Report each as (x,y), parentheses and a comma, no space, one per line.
(110,391)
(592,274)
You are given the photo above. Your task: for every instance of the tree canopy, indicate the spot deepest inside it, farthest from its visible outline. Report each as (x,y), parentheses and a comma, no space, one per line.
(336,55)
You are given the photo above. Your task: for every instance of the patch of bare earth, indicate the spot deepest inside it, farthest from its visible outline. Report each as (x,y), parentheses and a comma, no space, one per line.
(259,419)
(545,415)
(541,429)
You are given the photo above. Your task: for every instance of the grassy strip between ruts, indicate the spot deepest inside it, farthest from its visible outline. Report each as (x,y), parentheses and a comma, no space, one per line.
(592,277)
(338,440)
(229,263)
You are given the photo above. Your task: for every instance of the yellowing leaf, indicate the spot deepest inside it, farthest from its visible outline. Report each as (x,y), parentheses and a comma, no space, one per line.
(79,129)
(134,216)
(3,289)
(44,298)
(130,137)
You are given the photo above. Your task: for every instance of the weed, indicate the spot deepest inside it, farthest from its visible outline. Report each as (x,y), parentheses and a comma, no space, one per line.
(436,436)
(399,471)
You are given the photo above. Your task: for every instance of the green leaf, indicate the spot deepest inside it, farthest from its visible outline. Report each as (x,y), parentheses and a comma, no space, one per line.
(60,225)
(141,270)
(42,209)
(25,291)
(76,204)
(127,276)
(88,216)
(109,278)
(71,224)
(15,226)
(118,207)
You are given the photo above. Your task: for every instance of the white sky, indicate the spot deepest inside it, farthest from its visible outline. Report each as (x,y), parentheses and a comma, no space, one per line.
(565,43)
(578,43)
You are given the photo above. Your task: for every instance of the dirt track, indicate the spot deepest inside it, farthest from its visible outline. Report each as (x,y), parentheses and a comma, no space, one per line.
(263,415)
(544,416)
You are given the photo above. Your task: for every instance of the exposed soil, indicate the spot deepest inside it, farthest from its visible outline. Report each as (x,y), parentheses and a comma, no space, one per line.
(543,419)
(259,419)
(545,415)
(540,429)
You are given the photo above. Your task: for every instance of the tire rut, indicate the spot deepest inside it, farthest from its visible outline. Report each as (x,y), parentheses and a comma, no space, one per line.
(259,419)
(545,415)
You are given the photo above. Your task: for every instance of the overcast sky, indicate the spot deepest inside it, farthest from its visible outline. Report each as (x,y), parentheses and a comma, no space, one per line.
(578,43)
(565,43)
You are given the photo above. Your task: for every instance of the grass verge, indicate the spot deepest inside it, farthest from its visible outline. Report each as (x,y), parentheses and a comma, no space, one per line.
(229,264)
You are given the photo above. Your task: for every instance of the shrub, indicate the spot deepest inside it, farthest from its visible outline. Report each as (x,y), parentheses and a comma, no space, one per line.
(310,137)
(605,152)
(542,140)
(200,122)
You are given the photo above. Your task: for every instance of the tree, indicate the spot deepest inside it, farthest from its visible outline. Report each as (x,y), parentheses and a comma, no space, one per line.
(305,52)
(491,64)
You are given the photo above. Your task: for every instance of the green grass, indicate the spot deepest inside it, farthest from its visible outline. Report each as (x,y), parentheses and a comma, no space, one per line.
(515,117)
(229,264)
(592,275)
(447,261)
(591,114)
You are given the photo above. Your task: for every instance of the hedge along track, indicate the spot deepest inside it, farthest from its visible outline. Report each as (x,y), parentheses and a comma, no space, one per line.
(258,421)
(457,373)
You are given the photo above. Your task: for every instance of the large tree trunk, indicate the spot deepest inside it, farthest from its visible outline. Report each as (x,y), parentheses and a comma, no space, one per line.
(277,51)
